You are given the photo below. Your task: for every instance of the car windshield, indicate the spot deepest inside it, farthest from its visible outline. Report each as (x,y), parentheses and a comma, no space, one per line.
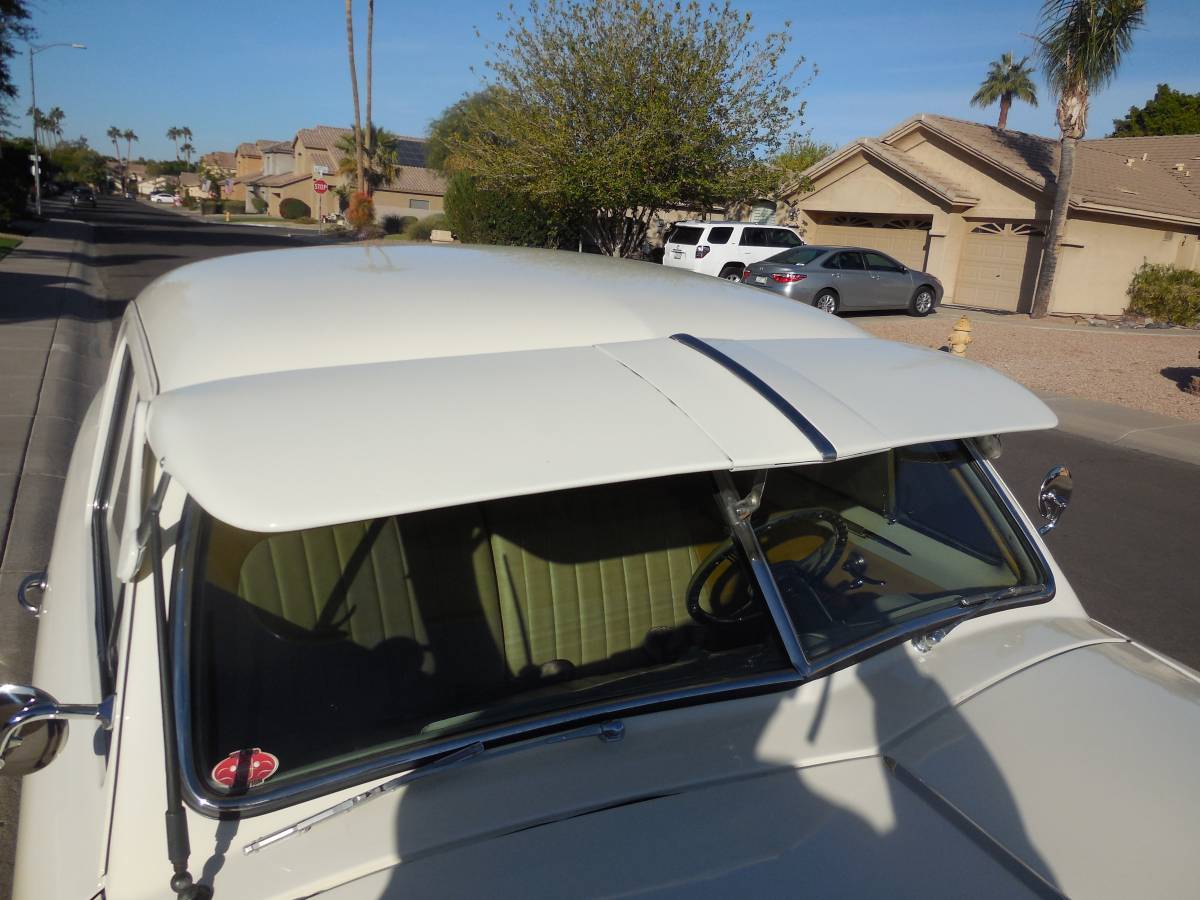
(797,256)
(325,646)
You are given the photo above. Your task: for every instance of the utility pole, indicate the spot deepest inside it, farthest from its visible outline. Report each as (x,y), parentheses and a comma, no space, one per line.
(37,157)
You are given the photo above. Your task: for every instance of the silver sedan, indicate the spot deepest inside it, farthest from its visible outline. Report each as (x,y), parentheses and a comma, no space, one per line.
(846,278)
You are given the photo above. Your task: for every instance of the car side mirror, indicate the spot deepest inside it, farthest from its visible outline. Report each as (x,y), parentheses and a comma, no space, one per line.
(34,728)
(1054,496)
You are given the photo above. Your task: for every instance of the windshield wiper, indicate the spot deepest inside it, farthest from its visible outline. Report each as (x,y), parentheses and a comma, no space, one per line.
(608,732)
(970,603)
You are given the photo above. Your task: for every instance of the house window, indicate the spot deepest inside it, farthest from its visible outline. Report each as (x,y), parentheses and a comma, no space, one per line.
(418,204)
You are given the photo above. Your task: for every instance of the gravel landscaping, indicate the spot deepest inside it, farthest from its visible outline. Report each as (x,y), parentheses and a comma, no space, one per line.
(1142,369)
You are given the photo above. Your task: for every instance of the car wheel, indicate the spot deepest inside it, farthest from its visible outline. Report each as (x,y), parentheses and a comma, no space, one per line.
(922,302)
(826,301)
(730,273)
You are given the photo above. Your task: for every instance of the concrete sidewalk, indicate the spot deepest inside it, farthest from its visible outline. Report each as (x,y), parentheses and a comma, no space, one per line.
(56,336)
(1133,429)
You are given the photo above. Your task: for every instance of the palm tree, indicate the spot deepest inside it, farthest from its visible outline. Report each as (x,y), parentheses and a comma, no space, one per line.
(114,135)
(370,42)
(53,123)
(381,161)
(1080,46)
(358,142)
(1006,80)
(129,137)
(174,133)
(187,150)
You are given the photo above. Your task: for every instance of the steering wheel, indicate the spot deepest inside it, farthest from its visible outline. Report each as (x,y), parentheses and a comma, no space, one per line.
(812,568)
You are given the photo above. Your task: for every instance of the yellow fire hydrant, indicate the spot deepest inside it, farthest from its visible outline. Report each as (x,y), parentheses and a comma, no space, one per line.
(227,219)
(960,336)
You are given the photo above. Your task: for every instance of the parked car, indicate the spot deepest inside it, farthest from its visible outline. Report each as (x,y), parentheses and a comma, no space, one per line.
(162,197)
(846,278)
(724,249)
(83,197)
(674,589)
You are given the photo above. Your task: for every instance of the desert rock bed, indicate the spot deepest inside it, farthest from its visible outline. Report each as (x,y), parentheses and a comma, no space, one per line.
(1144,369)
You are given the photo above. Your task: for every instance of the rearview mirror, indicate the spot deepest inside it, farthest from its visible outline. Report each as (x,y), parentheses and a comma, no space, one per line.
(1054,496)
(34,727)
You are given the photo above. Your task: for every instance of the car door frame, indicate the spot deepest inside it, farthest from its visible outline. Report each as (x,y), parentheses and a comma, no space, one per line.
(853,286)
(891,288)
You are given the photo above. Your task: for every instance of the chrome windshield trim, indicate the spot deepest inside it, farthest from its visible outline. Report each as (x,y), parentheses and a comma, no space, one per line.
(808,429)
(197,795)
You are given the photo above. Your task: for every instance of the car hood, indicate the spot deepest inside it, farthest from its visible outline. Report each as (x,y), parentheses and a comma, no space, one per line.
(1073,776)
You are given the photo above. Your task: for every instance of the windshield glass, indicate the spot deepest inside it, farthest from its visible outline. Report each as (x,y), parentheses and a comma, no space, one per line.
(327,645)
(860,546)
(797,256)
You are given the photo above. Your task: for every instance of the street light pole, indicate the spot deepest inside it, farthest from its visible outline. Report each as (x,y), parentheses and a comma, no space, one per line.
(37,156)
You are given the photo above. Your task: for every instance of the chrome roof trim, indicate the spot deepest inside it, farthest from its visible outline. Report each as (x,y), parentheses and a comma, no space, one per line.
(808,429)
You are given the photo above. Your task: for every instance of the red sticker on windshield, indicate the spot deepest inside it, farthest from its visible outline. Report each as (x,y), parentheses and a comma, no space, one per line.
(243,769)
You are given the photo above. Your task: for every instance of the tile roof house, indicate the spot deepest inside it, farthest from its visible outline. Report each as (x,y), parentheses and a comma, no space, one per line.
(971,203)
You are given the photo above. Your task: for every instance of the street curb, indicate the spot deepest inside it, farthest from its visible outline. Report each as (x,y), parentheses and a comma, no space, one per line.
(76,364)
(1132,429)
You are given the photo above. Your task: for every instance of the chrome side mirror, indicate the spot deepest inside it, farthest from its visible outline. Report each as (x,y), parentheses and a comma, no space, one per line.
(1054,496)
(35,727)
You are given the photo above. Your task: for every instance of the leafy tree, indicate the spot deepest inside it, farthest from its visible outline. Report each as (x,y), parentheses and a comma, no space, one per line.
(76,162)
(166,167)
(1007,80)
(612,110)
(1080,45)
(483,215)
(14,27)
(1167,112)
(801,152)
(16,182)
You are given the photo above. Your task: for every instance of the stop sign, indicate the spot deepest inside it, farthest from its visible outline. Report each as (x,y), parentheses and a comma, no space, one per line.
(320,186)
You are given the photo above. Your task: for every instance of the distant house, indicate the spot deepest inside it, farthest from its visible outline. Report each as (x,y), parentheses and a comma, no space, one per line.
(971,204)
(247,165)
(275,176)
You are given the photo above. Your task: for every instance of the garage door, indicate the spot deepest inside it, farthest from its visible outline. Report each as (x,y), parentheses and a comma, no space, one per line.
(905,244)
(999,266)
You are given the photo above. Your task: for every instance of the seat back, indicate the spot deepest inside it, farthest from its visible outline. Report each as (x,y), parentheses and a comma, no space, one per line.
(586,575)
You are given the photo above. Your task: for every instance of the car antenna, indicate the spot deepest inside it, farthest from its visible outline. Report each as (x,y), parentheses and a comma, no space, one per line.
(178,847)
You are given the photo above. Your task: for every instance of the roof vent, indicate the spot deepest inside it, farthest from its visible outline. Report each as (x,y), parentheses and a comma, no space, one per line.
(1145,157)
(1126,191)
(1179,167)
(1129,162)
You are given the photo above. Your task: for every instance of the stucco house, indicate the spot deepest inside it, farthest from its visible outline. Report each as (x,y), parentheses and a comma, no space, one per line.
(971,204)
(247,164)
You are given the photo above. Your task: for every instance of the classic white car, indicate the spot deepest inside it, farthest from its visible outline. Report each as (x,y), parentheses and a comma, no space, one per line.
(615,583)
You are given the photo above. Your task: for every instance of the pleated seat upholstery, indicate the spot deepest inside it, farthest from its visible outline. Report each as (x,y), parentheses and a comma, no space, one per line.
(491,593)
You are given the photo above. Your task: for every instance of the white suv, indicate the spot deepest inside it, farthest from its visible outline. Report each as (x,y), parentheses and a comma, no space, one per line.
(724,248)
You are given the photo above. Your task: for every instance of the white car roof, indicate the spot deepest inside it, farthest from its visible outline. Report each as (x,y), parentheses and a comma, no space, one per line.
(303,388)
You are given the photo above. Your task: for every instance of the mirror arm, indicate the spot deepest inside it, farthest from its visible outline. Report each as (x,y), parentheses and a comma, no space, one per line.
(49,712)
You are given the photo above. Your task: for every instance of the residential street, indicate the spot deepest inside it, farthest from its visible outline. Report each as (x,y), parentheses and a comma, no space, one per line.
(1128,543)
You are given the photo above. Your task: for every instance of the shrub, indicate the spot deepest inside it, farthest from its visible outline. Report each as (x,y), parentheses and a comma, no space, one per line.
(362,210)
(294,208)
(1167,293)
(233,206)
(422,228)
(392,224)
(305,220)
(189,202)
(259,204)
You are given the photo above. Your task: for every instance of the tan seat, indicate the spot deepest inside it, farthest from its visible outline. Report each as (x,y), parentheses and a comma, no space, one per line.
(585,576)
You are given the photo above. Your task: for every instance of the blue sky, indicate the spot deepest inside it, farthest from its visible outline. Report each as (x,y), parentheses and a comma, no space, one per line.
(235,71)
